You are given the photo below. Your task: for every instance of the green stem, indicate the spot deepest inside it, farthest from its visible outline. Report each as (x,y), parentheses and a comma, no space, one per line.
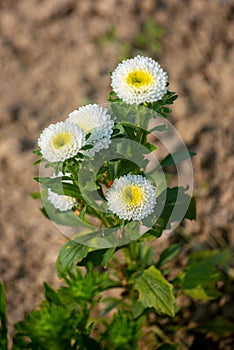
(134,251)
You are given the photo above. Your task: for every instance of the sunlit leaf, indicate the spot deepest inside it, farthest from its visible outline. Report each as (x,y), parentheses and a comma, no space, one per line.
(155,291)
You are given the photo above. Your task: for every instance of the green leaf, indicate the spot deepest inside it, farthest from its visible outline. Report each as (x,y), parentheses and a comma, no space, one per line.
(98,257)
(110,304)
(123,332)
(160,333)
(168,254)
(107,256)
(159,106)
(3,319)
(51,295)
(155,291)
(159,128)
(69,255)
(125,166)
(220,326)
(138,309)
(58,185)
(90,186)
(176,200)
(35,195)
(37,152)
(191,211)
(176,157)
(68,218)
(150,146)
(48,327)
(146,254)
(150,235)
(95,257)
(38,161)
(199,277)
(171,199)
(113,97)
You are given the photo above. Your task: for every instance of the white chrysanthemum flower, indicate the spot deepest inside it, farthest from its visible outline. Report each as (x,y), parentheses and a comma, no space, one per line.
(139,79)
(94,119)
(61,141)
(131,197)
(61,202)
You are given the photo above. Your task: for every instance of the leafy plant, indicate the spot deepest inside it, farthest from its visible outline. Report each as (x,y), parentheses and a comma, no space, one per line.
(142,305)
(120,290)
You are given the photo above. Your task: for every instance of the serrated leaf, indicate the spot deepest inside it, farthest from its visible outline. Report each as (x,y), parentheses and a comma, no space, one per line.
(3,319)
(69,255)
(155,291)
(176,158)
(199,277)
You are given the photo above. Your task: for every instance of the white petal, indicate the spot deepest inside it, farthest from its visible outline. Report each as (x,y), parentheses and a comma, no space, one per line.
(152,91)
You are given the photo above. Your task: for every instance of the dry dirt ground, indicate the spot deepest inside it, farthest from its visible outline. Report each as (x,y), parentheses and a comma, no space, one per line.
(55,56)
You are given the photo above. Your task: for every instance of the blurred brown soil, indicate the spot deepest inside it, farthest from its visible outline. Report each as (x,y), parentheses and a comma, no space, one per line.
(55,56)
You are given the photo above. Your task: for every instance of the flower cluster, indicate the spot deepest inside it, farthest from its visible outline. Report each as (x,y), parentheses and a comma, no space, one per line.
(64,140)
(90,129)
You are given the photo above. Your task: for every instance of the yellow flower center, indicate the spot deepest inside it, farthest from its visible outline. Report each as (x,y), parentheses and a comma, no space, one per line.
(132,195)
(61,139)
(139,78)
